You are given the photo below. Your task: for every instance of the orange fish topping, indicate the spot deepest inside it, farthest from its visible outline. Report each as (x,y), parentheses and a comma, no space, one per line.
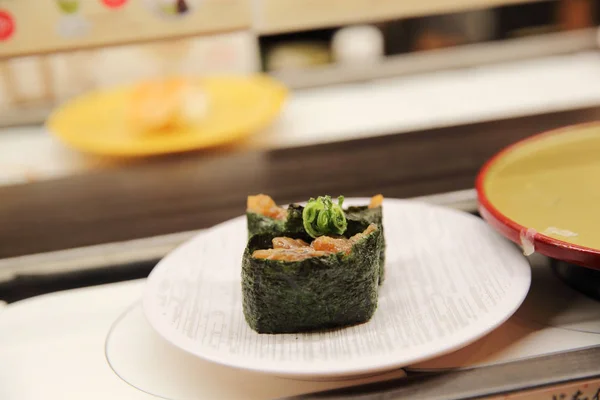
(288,249)
(264,205)
(376,201)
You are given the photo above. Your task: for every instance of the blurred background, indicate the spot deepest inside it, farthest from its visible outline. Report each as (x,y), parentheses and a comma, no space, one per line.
(57,50)
(62,48)
(353,69)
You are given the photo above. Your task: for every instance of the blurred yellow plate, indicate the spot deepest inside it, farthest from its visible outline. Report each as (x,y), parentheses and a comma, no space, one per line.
(238,107)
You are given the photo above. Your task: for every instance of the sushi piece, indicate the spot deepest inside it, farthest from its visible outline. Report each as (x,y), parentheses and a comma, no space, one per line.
(290,285)
(158,106)
(265,216)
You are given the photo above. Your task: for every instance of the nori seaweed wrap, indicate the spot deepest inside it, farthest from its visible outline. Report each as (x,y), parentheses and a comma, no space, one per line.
(360,216)
(290,221)
(322,292)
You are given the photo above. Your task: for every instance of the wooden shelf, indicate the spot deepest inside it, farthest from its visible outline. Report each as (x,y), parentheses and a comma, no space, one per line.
(280,16)
(465,56)
(38,25)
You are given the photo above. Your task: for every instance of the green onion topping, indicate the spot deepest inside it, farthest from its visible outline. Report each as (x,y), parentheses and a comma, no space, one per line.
(321,217)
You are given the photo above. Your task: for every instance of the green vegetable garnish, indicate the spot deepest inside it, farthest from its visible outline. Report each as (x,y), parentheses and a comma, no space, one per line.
(322,217)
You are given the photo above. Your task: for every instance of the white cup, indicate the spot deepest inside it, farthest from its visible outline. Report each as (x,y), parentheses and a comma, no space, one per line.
(358,44)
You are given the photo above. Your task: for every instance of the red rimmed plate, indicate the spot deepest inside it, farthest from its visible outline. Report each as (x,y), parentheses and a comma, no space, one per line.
(544,194)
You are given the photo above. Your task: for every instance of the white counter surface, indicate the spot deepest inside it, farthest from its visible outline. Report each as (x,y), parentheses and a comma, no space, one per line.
(52,347)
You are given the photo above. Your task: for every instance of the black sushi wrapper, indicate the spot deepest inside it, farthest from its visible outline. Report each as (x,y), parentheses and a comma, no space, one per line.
(318,293)
(357,218)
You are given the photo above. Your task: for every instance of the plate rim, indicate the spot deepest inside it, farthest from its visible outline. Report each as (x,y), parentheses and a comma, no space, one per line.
(543,244)
(353,370)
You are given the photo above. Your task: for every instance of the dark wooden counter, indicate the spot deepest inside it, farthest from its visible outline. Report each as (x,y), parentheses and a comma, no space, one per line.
(198,190)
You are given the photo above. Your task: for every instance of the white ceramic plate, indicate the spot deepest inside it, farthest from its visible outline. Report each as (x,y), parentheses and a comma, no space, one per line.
(147,362)
(450,280)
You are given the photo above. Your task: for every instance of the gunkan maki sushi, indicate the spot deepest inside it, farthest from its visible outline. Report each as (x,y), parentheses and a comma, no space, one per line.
(324,276)
(263,215)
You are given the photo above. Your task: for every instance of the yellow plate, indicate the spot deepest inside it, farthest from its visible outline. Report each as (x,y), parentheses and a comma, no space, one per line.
(544,193)
(239,106)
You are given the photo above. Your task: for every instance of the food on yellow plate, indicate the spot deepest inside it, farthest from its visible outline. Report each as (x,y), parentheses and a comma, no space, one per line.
(165,104)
